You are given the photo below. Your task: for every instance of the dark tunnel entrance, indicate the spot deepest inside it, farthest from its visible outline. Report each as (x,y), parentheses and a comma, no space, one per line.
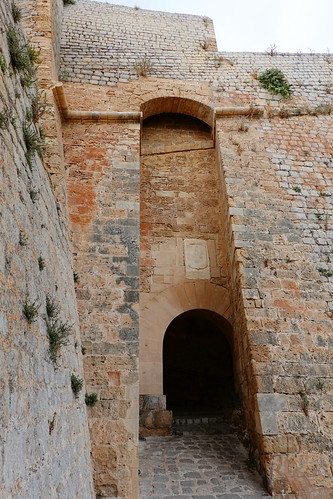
(197,364)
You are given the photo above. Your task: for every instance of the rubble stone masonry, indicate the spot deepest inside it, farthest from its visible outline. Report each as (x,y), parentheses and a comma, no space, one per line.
(175,182)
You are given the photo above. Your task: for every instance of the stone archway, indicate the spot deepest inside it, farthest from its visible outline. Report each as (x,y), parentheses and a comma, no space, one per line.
(155,316)
(182,246)
(160,311)
(198,376)
(179,105)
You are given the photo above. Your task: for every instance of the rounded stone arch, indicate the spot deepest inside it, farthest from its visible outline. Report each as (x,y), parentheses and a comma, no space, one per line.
(196,108)
(158,312)
(198,364)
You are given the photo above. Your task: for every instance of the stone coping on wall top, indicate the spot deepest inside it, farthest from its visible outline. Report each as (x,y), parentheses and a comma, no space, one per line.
(92,115)
(69,114)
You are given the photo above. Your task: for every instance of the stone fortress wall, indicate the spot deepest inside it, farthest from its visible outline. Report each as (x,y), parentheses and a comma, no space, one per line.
(270,261)
(275,171)
(44,442)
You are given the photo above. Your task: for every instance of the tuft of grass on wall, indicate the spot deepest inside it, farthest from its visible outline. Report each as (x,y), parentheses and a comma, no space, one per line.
(143,66)
(41,263)
(32,141)
(52,308)
(76,384)
(30,311)
(5,118)
(39,106)
(3,64)
(23,57)
(16,13)
(58,333)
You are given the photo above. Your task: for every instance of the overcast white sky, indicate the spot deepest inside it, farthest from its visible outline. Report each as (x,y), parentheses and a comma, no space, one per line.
(256,25)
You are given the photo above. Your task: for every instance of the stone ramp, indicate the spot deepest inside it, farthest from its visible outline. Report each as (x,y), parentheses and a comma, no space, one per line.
(199,461)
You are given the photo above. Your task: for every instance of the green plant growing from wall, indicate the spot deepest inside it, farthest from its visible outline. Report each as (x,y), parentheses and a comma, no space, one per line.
(3,64)
(27,80)
(76,384)
(16,13)
(4,118)
(41,263)
(23,238)
(33,195)
(76,277)
(33,142)
(39,106)
(23,57)
(90,399)
(58,333)
(297,188)
(325,272)
(320,384)
(275,82)
(30,311)
(69,2)
(52,308)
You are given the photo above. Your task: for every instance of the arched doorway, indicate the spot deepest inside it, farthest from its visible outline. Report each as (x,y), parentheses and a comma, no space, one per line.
(198,372)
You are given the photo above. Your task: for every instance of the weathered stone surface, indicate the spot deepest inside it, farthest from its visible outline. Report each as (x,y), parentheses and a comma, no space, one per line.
(155,402)
(44,443)
(256,190)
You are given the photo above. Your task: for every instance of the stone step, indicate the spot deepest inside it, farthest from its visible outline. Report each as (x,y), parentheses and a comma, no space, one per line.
(190,420)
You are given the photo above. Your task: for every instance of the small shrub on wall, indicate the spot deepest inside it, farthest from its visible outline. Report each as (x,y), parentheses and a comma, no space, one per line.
(275,82)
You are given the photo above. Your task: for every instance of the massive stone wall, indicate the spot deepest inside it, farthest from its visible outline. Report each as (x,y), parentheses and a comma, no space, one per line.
(103,188)
(44,443)
(274,199)
(272,205)
(100,47)
(279,182)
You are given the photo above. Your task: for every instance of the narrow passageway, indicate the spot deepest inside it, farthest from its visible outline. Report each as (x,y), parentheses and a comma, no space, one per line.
(197,364)
(197,464)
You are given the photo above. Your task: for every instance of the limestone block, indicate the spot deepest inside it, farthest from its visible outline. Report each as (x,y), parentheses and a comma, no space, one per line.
(163,419)
(196,259)
(271,402)
(269,405)
(149,402)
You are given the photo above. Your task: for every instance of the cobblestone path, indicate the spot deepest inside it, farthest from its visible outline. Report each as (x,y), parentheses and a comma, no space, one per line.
(197,466)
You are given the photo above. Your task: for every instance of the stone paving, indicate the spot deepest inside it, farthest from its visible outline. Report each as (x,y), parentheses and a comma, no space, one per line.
(197,465)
